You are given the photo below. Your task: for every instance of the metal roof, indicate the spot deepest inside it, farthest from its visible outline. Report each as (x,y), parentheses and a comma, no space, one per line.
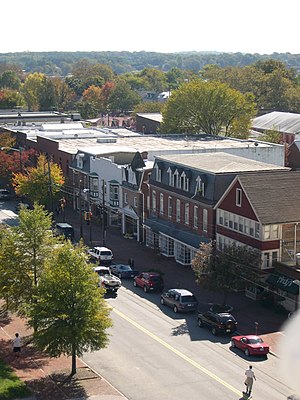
(280,121)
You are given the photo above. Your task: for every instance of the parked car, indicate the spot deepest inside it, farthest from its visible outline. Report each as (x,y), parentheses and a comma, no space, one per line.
(251,345)
(5,194)
(102,255)
(64,229)
(181,300)
(123,271)
(149,281)
(106,280)
(217,322)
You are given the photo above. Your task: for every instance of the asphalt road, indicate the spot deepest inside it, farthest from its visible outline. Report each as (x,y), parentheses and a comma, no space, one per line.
(155,354)
(7,213)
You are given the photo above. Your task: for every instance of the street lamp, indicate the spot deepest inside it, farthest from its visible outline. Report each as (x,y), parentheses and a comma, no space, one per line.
(14,149)
(297,282)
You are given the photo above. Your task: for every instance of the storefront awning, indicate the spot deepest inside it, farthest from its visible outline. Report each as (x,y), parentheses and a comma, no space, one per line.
(283,282)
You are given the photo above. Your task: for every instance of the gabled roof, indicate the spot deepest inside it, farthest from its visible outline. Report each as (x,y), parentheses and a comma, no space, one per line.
(157,117)
(275,197)
(280,121)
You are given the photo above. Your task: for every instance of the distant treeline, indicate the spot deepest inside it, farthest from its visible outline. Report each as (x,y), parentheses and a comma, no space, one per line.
(60,63)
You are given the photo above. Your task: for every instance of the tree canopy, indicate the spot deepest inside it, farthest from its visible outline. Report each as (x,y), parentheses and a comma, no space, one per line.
(210,107)
(23,251)
(227,270)
(70,314)
(41,183)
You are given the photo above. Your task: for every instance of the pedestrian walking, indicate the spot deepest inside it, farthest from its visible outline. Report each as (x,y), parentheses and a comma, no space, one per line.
(250,376)
(17,345)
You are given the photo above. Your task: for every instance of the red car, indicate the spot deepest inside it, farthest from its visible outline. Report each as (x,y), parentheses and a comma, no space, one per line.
(251,345)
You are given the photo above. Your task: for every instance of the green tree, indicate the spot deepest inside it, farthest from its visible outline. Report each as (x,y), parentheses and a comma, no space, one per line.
(41,183)
(70,314)
(23,251)
(10,98)
(65,97)
(10,80)
(122,97)
(46,97)
(31,90)
(148,107)
(156,79)
(210,107)
(228,270)
(272,136)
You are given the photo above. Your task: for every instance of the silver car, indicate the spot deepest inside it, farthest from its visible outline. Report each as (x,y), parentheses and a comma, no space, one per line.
(180,300)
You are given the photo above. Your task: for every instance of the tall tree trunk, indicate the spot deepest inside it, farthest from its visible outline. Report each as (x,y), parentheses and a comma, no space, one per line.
(73,372)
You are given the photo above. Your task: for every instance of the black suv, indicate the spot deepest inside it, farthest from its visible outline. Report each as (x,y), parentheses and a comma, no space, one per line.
(217,322)
(149,281)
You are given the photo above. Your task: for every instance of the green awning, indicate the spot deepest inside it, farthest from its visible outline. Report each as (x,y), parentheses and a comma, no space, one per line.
(283,282)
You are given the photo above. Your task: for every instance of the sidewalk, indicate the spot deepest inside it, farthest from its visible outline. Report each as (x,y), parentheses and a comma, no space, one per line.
(44,375)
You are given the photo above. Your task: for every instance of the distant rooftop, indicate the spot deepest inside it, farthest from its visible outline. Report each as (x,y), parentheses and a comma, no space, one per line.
(220,163)
(279,121)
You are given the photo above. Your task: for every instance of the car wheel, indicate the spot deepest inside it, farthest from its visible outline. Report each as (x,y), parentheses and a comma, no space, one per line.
(214,331)
(162,301)
(134,283)
(175,309)
(200,323)
(145,289)
(247,354)
(233,344)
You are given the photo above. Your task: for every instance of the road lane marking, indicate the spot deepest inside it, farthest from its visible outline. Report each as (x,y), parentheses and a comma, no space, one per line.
(175,351)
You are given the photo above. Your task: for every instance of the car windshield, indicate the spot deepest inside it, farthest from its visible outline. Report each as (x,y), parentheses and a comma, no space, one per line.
(155,278)
(125,268)
(255,340)
(188,299)
(105,253)
(227,318)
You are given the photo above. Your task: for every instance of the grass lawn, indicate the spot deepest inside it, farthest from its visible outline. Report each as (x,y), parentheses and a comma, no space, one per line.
(10,385)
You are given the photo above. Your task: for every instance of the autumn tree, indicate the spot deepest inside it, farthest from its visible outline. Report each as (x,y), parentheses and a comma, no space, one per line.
(227,270)
(65,97)
(209,107)
(31,90)
(70,314)
(91,103)
(14,161)
(41,183)
(10,98)
(23,251)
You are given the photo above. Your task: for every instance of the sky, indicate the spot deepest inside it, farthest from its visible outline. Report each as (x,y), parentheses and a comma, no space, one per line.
(164,26)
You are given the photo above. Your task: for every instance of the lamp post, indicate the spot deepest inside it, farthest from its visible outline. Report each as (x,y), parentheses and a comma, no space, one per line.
(103,213)
(80,210)
(14,149)
(297,282)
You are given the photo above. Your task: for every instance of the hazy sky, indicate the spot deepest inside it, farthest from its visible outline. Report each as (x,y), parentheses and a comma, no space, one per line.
(256,26)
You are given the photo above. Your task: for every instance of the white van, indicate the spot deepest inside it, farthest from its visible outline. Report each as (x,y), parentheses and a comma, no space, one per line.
(102,255)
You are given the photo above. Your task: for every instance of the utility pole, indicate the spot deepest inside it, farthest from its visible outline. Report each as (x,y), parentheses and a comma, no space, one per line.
(80,210)
(50,184)
(103,213)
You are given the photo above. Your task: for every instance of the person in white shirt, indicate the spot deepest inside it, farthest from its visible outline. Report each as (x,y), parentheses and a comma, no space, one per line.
(17,345)
(249,380)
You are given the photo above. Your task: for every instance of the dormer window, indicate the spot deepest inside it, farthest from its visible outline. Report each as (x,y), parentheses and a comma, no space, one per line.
(157,173)
(80,160)
(238,197)
(200,186)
